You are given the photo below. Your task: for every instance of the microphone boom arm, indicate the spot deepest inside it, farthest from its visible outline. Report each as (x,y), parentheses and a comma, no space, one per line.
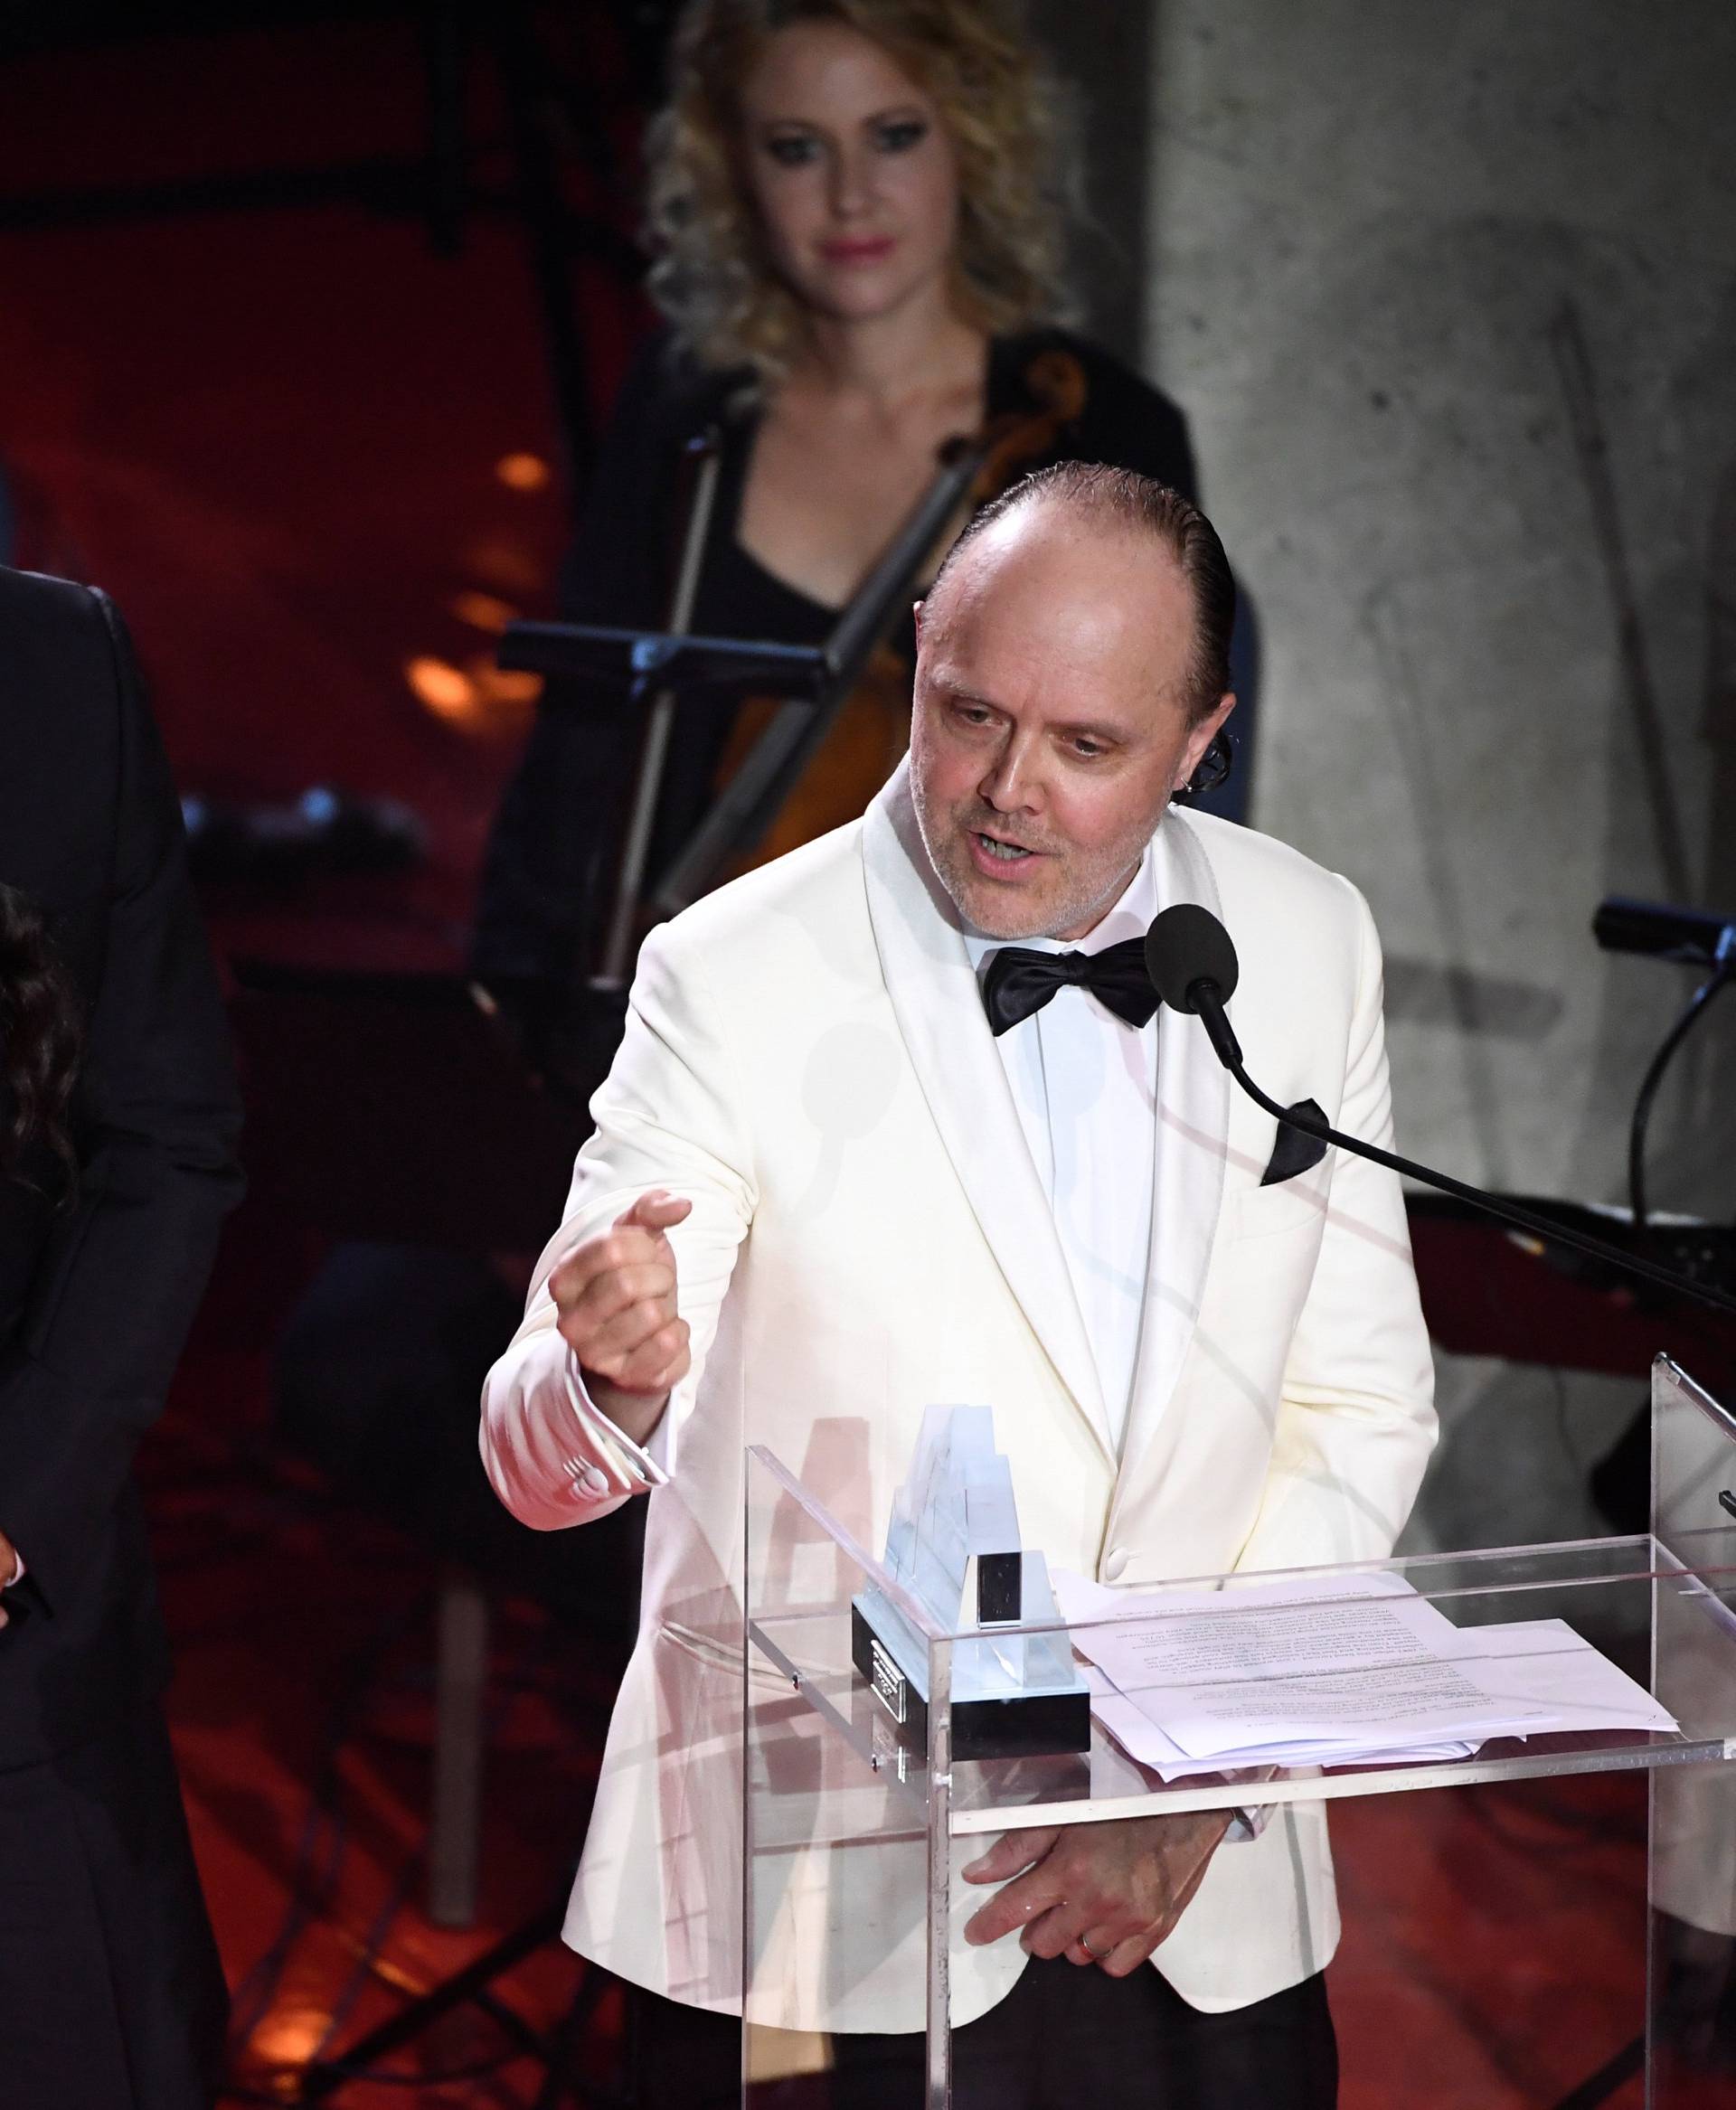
(1205,995)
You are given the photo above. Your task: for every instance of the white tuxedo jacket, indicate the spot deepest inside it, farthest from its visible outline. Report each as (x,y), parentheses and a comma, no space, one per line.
(806,1058)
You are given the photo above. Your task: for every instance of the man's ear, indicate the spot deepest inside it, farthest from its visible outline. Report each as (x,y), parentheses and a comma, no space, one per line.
(1203,736)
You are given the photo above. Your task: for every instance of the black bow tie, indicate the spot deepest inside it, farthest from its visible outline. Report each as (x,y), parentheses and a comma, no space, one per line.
(1017,982)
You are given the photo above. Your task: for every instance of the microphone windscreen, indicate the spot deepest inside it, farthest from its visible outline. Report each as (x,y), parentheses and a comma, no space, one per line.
(1689,936)
(1186,944)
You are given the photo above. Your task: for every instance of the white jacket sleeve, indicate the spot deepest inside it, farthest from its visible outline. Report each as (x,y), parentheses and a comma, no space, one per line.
(1355,1419)
(669,1115)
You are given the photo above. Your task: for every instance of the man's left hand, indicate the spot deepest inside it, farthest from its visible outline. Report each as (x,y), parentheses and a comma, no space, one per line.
(1103,1894)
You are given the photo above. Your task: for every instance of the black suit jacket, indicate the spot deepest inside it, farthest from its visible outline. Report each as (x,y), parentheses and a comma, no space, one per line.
(95,1300)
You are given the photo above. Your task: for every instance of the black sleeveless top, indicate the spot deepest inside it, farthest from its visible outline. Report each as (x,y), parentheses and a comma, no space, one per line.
(546,874)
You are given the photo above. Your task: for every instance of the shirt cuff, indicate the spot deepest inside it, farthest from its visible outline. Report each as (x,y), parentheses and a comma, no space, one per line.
(628,1467)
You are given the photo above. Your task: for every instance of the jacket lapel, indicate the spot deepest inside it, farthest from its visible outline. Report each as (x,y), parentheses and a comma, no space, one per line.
(940,1013)
(1191,1138)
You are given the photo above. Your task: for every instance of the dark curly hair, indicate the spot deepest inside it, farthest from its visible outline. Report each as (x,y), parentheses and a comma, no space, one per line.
(40,1041)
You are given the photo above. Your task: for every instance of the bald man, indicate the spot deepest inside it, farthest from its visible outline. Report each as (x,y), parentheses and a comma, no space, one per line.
(847,1164)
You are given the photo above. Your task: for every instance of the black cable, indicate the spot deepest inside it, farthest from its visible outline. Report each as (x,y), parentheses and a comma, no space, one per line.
(517,1680)
(313,1877)
(508,1689)
(308,1891)
(1613,2073)
(1697,1006)
(1539,1227)
(367,1957)
(308,1901)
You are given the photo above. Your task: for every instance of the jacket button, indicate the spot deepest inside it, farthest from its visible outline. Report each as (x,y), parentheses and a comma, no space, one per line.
(590,1482)
(1115,1564)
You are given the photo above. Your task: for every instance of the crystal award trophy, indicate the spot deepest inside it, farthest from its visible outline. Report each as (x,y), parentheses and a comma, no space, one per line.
(953,1543)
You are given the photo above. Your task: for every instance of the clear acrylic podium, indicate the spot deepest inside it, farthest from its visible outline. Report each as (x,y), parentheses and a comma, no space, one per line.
(855,1828)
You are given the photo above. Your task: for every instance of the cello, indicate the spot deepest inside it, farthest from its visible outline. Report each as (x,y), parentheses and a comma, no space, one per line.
(861,725)
(817,730)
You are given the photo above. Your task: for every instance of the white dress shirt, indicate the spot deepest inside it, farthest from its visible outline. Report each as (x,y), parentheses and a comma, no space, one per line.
(1085,1085)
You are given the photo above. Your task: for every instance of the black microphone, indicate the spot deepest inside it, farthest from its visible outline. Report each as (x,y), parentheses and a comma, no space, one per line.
(1690,936)
(1194,968)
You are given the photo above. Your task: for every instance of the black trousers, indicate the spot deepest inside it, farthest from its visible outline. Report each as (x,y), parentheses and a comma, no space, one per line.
(111,1994)
(1065,2037)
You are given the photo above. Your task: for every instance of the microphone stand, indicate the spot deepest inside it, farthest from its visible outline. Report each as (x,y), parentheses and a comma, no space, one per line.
(620,941)
(1206,996)
(1698,1004)
(1687,938)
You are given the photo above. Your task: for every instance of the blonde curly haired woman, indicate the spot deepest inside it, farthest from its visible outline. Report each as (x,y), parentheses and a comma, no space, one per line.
(856,216)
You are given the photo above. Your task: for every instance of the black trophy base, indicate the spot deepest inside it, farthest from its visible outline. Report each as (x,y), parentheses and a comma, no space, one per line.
(1027,1725)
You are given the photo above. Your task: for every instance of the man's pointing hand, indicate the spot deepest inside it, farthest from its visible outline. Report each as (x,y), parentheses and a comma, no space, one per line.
(615,1298)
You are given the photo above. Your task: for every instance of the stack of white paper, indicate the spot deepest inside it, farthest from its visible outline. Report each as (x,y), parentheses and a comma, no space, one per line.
(1341,1672)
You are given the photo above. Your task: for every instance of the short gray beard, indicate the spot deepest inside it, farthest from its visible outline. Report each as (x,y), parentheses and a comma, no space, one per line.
(949,858)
